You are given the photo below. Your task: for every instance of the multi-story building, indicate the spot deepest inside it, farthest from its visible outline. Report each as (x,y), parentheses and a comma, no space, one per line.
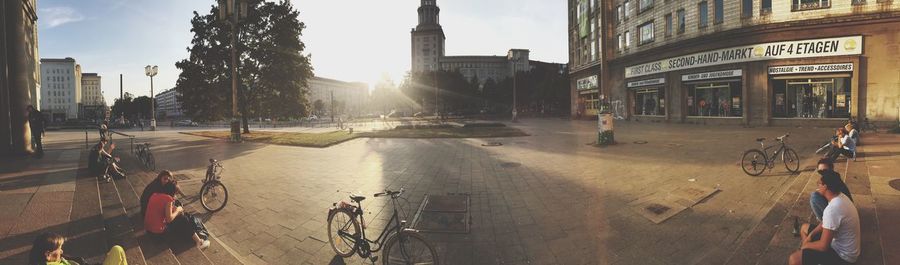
(352,96)
(167,105)
(91,94)
(750,62)
(585,56)
(428,52)
(61,88)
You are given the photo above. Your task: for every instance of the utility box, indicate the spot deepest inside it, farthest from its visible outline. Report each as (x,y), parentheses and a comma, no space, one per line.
(605,135)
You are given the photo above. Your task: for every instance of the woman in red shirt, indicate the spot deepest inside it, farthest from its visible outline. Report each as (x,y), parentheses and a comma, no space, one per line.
(164,217)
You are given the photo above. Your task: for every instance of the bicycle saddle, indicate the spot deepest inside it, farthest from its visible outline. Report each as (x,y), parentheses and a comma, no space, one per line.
(760,139)
(213,160)
(357,198)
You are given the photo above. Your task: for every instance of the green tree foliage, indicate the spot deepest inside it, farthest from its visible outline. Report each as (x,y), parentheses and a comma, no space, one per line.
(272,67)
(132,108)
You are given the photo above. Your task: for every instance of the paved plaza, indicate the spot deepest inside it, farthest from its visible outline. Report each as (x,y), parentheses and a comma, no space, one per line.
(548,198)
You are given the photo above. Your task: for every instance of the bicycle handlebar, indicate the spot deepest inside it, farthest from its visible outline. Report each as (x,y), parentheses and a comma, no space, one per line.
(389,192)
(781,138)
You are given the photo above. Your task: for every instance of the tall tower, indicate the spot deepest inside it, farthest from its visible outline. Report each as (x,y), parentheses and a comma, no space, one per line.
(427,38)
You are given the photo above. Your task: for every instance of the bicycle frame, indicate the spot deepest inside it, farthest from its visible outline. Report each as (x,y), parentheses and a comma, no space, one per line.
(765,149)
(394,225)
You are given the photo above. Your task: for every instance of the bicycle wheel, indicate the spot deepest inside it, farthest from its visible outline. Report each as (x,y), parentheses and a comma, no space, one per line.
(213,196)
(151,162)
(343,232)
(753,162)
(409,248)
(791,160)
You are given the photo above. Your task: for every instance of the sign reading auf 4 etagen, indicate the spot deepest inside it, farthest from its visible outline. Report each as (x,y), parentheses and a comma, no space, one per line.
(851,45)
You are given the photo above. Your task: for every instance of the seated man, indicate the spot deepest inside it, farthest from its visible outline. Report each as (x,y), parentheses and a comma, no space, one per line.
(818,202)
(106,162)
(837,239)
(844,145)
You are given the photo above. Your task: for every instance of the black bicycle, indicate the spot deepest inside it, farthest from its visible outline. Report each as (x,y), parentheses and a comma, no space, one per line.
(754,161)
(401,244)
(213,194)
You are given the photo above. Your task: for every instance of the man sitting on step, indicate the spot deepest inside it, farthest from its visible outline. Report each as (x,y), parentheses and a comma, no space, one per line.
(837,239)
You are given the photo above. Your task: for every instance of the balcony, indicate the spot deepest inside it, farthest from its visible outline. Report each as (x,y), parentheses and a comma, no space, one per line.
(800,5)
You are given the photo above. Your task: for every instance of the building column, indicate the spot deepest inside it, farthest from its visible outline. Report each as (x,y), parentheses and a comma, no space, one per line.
(17,81)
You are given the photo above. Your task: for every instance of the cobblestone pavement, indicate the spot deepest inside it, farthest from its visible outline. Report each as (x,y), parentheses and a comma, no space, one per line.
(543,199)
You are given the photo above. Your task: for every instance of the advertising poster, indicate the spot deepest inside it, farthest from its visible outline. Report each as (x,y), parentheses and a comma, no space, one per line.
(841,101)
(779,99)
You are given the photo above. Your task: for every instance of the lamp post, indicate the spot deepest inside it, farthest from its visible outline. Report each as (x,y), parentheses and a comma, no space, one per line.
(230,11)
(151,71)
(514,112)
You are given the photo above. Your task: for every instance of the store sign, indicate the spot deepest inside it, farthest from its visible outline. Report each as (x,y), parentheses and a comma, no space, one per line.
(647,82)
(586,83)
(814,68)
(585,92)
(712,75)
(851,45)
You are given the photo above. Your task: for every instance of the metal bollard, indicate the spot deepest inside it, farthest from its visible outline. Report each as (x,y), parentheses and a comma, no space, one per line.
(86,140)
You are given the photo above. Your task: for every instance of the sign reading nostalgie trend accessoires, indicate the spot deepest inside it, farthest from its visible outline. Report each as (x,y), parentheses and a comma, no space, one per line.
(814,68)
(587,83)
(712,75)
(851,45)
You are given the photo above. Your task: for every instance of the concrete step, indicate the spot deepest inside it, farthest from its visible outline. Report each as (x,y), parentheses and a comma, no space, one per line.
(86,233)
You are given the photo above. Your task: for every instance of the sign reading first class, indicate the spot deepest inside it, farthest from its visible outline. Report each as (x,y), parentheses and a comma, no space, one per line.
(851,45)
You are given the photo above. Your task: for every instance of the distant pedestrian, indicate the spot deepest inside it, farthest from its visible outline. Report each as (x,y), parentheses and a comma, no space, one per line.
(36,122)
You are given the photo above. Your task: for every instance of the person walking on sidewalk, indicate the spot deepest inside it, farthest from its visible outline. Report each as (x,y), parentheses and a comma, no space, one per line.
(816,200)
(836,240)
(36,122)
(47,250)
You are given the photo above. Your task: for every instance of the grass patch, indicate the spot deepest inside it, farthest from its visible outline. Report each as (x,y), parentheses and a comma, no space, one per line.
(321,140)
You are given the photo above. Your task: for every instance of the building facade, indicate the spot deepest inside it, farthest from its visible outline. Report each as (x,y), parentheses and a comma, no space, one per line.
(750,62)
(20,79)
(61,88)
(428,52)
(345,97)
(585,56)
(167,105)
(91,93)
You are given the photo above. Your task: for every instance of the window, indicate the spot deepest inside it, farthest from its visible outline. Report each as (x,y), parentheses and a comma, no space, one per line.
(646,31)
(765,7)
(645,4)
(800,5)
(719,11)
(746,8)
(858,2)
(627,39)
(812,98)
(649,101)
(625,11)
(621,42)
(720,99)
(703,14)
(668,24)
(681,21)
(619,13)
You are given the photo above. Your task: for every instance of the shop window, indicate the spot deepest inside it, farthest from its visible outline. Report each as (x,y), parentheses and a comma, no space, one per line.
(718,99)
(681,20)
(649,102)
(815,98)
(801,5)
(702,14)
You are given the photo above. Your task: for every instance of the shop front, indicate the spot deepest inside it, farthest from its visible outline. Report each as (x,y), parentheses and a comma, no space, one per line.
(714,94)
(820,91)
(647,97)
(588,92)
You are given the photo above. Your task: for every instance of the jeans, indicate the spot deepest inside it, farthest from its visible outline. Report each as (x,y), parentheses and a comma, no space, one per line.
(37,144)
(818,203)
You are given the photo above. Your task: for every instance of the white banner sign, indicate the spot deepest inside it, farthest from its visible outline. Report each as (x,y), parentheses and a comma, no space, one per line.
(712,75)
(586,83)
(647,82)
(851,45)
(814,68)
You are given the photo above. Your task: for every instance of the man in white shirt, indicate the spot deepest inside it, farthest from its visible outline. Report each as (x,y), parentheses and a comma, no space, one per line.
(837,239)
(844,145)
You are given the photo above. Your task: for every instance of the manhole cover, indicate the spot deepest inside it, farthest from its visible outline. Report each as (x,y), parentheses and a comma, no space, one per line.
(895,184)
(640,142)
(657,209)
(510,165)
(443,214)
(492,144)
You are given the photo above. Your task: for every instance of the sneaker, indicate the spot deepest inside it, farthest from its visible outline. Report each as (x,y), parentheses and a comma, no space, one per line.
(204,244)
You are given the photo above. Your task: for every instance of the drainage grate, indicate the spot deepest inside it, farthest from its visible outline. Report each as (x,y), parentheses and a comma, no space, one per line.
(640,142)
(443,214)
(657,209)
(510,165)
(492,144)
(895,184)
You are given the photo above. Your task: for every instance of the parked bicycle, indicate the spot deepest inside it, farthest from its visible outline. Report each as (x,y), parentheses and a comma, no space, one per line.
(213,194)
(144,155)
(867,126)
(755,161)
(401,244)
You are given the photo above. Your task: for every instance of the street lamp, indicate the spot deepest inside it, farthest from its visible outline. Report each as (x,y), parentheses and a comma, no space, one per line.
(230,11)
(515,113)
(151,71)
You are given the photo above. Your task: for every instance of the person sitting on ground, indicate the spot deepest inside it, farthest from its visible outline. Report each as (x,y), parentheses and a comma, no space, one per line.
(106,162)
(165,217)
(47,250)
(104,131)
(816,200)
(844,145)
(156,186)
(836,239)
(852,132)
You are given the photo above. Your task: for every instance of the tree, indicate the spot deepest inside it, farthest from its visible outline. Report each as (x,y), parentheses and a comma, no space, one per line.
(272,68)
(319,106)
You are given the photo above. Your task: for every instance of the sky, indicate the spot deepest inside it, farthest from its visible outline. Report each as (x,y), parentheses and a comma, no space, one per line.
(355,40)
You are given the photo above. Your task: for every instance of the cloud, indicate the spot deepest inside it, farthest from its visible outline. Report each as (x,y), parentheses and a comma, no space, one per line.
(58,16)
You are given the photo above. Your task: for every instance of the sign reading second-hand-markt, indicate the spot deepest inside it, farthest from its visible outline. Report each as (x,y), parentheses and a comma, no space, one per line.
(851,45)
